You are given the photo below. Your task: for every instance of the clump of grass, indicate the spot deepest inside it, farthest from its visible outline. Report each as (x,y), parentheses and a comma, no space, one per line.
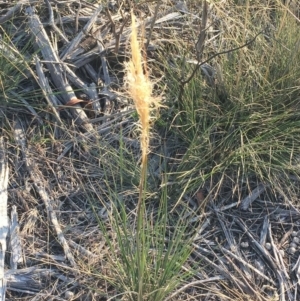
(153,246)
(246,127)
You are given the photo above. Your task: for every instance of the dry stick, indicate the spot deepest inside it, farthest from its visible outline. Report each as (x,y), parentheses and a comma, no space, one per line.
(112,23)
(94,97)
(82,250)
(55,68)
(264,231)
(107,81)
(296,268)
(52,23)
(77,17)
(40,188)
(3,215)
(242,278)
(240,259)
(184,82)
(76,81)
(202,34)
(15,246)
(118,35)
(253,195)
(90,91)
(92,73)
(152,24)
(47,91)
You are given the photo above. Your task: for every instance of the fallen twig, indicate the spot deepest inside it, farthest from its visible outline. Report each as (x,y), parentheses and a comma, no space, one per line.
(55,68)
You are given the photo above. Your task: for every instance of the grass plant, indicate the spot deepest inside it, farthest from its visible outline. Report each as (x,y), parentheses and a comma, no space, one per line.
(152,246)
(244,127)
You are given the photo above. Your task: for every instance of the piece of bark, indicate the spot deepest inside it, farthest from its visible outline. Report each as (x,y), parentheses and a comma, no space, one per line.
(14,240)
(264,231)
(55,67)
(4,171)
(254,194)
(32,280)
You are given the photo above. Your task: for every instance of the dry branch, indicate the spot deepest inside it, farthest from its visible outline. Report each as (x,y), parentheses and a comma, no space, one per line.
(55,67)
(52,100)
(53,25)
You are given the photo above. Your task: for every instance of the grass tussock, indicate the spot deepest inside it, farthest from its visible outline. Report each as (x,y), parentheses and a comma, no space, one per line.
(150,253)
(242,124)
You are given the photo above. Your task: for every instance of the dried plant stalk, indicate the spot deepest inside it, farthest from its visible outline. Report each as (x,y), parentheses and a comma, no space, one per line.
(140,89)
